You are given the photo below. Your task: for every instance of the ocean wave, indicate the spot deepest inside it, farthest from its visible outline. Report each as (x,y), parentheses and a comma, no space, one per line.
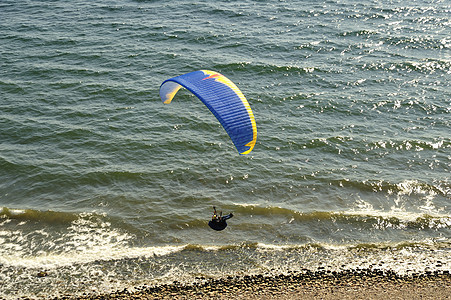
(14,87)
(360,219)
(408,187)
(113,269)
(24,215)
(102,253)
(354,145)
(415,42)
(361,32)
(267,68)
(51,238)
(105,253)
(425,66)
(316,246)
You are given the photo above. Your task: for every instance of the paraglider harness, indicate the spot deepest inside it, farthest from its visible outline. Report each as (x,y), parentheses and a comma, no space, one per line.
(218,222)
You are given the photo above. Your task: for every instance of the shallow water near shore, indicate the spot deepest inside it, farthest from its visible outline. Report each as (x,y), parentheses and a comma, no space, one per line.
(103,187)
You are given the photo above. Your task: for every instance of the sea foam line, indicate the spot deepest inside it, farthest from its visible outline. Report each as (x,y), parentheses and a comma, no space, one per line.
(52,261)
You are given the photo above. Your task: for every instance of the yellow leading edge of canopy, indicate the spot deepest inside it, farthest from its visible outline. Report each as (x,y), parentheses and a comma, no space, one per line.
(221,78)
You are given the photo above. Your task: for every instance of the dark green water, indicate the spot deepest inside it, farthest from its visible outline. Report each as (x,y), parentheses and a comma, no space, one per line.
(104,187)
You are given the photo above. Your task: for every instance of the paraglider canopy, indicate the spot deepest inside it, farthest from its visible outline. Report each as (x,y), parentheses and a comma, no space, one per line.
(223,99)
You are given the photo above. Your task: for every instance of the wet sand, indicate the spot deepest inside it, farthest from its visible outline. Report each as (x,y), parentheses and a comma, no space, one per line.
(357,284)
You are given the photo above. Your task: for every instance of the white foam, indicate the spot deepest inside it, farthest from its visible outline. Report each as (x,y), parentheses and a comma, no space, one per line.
(52,260)
(87,239)
(439,220)
(272,247)
(245,204)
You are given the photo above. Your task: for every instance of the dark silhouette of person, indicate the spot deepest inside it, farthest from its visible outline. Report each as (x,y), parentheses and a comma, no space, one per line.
(218,221)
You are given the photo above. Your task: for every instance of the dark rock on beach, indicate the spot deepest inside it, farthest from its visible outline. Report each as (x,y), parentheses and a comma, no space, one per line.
(321,284)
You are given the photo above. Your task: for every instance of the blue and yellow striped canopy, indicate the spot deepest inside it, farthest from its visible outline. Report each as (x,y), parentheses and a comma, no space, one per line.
(224,100)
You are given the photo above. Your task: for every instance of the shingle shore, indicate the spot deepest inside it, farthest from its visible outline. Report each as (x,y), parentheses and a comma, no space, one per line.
(355,284)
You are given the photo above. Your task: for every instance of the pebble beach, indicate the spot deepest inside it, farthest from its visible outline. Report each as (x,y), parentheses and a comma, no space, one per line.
(355,284)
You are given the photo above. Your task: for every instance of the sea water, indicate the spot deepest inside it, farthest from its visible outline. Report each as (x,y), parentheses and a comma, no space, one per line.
(103,187)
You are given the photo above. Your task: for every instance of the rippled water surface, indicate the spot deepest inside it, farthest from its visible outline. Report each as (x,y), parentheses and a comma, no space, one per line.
(103,187)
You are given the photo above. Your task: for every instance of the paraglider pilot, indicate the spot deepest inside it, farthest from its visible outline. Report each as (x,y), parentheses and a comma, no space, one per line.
(218,222)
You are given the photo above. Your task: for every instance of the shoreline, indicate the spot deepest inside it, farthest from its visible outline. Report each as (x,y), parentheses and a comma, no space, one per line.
(354,284)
